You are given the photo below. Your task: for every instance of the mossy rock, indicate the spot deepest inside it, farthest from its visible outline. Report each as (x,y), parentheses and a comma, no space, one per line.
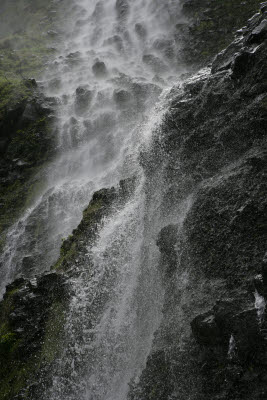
(32,316)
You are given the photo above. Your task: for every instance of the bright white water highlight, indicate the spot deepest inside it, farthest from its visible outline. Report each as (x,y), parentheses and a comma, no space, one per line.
(260,305)
(116,60)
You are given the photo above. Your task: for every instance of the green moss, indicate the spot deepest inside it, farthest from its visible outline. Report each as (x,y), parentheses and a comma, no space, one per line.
(7,342)
(90,211)
(29,144)
(12,91)
(69,247)
(53,334)
(25,45)
(15,198)
(18,370)
(263,103)
(65,256)
(204,25)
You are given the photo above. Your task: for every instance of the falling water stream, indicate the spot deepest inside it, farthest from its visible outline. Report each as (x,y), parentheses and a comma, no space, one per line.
(116,61)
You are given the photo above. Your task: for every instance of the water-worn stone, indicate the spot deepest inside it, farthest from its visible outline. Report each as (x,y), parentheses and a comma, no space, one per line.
(99,68)
(212,26)
(83,99)
(122,8)
(211,153)
(27,313)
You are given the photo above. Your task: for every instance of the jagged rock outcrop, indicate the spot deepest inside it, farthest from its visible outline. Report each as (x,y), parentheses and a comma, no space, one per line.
(32,312)
(212,340)
(32,320)
(212,25)
(211,155)
(27,141)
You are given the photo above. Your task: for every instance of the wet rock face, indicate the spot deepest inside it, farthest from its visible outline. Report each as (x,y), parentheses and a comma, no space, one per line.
(213,146)
(32,312)
(83,99)
(122,8)
(99,69)
(27,140)
(212,26)
(167,243)
(27,313)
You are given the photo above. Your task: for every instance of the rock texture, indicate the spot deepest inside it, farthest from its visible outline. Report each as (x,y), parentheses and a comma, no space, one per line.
(32,313)
(212,25)
(212,143)
(27,141)
(32,319)
(210,153)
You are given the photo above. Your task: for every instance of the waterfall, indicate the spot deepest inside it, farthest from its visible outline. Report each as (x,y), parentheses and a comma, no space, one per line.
(115,62)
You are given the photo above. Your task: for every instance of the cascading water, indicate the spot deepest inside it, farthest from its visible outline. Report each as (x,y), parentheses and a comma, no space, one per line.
(115,60)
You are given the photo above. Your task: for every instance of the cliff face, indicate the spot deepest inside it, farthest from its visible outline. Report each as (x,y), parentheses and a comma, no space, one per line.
(212,339)
(26,136)
(212,25)
(210,154)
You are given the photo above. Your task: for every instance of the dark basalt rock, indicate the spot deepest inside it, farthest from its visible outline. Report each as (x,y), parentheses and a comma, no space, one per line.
(99,69)
(122,8)
(259,33)
(27,140)
(32,312)
(28,310)
(122,97)
(83,100)
(140,30)
(212,26)
(211,153)
(155,63)
(74,249)
(167,243)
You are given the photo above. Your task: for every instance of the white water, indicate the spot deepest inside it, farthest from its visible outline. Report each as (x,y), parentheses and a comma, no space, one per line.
(96,134)
(260,306)
(105,117)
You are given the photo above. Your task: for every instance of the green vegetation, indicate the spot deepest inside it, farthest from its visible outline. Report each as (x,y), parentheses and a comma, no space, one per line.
(25,44)
(70,246)
(53,334)
(19,362)
(31,146)
(12,92)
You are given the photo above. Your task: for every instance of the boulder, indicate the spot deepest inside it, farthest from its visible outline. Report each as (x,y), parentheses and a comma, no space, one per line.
(99,69)
(154,63)
(83,100)
(122,8)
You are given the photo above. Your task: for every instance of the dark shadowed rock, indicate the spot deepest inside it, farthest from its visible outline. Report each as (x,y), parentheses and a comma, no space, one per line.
(140,30)
(122,97)
(122,8)
(167,243)
(116,41)
(99,69)
(83,100)
(206,330)
(211,149)
(155,63)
